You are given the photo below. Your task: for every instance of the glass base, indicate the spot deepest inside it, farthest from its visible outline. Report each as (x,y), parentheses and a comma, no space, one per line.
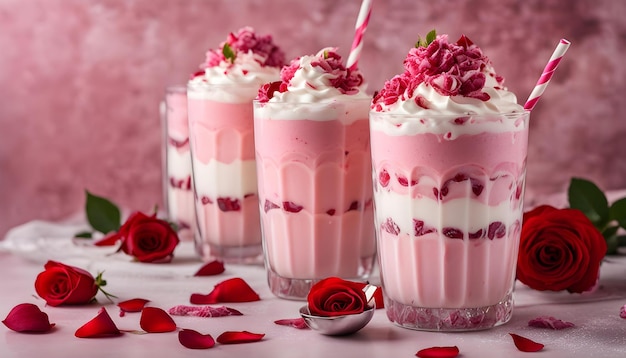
(252,254)
(298,289)
(450,319)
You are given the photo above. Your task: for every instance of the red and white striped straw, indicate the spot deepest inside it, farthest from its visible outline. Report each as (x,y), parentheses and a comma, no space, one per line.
(360,28)
(548,71)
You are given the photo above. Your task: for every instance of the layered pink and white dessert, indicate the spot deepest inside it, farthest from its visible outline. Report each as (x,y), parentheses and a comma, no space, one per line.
(179,201)
(314,174)
(222,138)
(449,147)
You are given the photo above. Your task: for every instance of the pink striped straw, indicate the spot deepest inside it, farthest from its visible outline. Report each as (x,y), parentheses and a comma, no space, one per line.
(360,28)
(548,71)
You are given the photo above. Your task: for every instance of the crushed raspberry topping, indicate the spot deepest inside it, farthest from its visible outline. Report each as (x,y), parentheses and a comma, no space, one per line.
(244,41)
(451,69)
(327,61)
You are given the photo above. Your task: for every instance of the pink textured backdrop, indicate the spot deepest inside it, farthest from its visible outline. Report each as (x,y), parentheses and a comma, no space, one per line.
(80,83)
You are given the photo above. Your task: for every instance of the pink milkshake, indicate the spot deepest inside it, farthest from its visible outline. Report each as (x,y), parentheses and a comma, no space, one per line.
(222,145)
(178,194)
(449,147)
(314,175)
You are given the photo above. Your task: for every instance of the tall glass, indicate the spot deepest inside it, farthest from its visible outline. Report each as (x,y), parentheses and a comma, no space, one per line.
(448,198)
(224,172)
(177,191)
(315,192)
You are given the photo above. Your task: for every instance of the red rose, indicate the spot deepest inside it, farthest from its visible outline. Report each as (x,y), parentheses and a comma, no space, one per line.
(560,249)
(147,238)
(334,296)
(60,284)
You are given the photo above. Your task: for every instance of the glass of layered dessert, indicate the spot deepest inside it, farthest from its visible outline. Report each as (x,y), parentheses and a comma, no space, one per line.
(177,192)
(222,145)
(449,146)
(314,175)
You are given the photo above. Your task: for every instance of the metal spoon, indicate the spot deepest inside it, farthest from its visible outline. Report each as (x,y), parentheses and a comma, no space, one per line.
(344,324)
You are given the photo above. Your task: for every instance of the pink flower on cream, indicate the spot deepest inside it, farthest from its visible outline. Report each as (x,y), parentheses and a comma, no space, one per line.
(244,41)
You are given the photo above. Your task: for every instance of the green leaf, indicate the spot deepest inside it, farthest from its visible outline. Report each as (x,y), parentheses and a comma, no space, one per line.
(430,37)
(228,52)
(612,242)
(84,235)
(618,212)
(102,214)
(588,198)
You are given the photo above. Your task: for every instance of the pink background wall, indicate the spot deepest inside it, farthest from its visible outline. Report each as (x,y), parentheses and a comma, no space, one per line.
(80,83)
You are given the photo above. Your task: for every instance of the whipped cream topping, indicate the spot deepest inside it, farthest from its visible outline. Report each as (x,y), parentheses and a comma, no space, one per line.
(315,87)
(446,78)
(241,64)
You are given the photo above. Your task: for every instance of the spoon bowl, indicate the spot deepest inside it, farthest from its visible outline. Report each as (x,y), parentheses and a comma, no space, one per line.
(337,325)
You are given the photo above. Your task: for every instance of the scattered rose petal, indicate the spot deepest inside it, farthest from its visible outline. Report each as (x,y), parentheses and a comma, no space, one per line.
(231,290)
(438,352)
(210,269)
(234,337)
(132,305)
(526,345)
(292,322)
(27,317)
(155,320)
(204,311)
(100,326)
(195,340)
(549,322)
(622,312)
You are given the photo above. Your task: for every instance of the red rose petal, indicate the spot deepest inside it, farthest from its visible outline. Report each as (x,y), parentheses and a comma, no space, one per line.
(100,326)
(526,345)
(549,322)
(155,320)
(233,337)
(292,322)
(27,317)
(204,311)
(231,290)
(132,305)
(109,240)
(210,269)
(195,340)
(438,352)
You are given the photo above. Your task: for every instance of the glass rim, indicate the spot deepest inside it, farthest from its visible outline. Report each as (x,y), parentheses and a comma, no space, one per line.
(206,85)
(310,103)
(442,116)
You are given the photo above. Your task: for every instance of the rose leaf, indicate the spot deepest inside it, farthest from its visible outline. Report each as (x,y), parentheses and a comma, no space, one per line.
(612,240)
(195,340)
(618,212)
(102,214)
(526,345)
(156,320)
(588,198)
(228,53)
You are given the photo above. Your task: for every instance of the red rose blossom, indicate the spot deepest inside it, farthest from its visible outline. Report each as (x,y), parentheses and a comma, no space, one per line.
(560,249)
(147,238)
(61,284)
(334,296)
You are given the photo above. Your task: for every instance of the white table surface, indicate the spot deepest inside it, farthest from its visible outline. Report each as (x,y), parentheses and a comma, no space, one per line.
(599,331)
